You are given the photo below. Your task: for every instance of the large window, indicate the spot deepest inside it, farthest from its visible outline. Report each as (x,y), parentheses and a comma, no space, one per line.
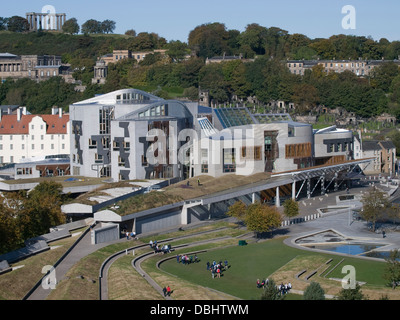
(229,161)
(106,114)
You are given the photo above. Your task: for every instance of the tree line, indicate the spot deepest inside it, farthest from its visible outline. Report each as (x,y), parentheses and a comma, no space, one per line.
(266,77)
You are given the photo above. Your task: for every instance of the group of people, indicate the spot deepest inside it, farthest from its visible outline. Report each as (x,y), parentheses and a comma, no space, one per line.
(283,288)
(167,291)
(217,268)
(263,283)
(157,249)
(130,235)
(186,260)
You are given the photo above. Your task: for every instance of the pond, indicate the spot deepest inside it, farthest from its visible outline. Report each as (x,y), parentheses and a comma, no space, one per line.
(351,248)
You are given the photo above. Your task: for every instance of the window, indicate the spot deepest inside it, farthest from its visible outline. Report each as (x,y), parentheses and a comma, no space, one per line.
(229,161)
(63,146)
(204,168)
(99,158)
(268,143)
(251,153)
(301,150)
(11,147)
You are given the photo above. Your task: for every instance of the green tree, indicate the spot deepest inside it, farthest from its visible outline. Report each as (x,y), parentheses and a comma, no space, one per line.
(262,218)
(3,23)
(271,292)
(374,204)
(238,210)
(314,292)
(209,40)
(177,50)
(392,269)
(382,76)
(17,24)
(10,226)
(291,208)
(107,26)
(71,26)
(351,294)
(254,37)
(42,209)
(92,26)
(131,33)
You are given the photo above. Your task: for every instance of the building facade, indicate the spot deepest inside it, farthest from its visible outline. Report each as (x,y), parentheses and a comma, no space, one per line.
(358,67)
(25,137)
(34,67)
(128,134)
(383,154)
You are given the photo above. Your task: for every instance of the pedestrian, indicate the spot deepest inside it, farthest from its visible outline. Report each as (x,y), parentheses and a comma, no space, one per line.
(208,265)
(168,291)
(127,235)
(164,291)
(226,264)
(177,258)
(218,272)
(151,243)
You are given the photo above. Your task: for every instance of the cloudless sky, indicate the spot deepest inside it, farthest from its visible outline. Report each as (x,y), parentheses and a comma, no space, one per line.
(174,19)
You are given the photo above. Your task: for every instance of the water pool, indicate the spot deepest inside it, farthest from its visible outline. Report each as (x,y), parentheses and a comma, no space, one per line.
(351,248)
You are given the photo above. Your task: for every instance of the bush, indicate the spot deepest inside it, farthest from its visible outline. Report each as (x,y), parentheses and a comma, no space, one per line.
(314,292)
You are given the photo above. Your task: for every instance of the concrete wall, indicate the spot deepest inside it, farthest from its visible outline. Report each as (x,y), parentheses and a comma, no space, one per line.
(159,221)
(108,233)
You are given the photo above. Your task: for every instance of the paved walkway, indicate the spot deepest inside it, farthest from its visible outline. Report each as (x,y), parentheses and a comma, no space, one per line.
(82,249)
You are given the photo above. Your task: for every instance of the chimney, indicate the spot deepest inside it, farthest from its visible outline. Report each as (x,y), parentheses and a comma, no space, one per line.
(19,114)
(60,112)
(54,111)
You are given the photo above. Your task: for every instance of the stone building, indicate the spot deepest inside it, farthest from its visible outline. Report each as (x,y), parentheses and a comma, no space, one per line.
(34,67)
(25,137)
(46,21)
(359,67)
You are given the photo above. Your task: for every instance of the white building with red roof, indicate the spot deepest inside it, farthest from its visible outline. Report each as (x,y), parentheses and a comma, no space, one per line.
(25,137)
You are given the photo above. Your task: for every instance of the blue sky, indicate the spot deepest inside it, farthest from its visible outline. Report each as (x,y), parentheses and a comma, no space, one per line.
(174,19)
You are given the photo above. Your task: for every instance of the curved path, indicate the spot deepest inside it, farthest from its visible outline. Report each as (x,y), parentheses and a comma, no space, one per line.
(103,274)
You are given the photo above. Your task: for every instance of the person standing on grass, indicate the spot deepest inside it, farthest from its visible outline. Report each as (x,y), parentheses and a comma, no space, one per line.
(168,291)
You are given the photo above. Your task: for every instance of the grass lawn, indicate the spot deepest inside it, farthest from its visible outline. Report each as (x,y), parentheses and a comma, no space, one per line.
(275,260)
